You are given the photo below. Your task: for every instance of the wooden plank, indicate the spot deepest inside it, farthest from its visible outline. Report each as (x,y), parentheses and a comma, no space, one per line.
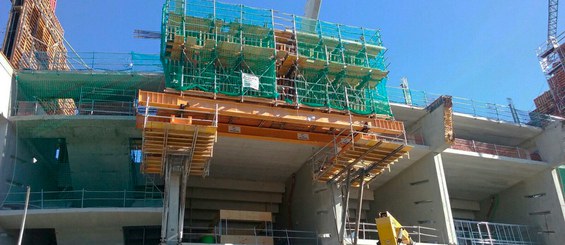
(238,215)
(243,239)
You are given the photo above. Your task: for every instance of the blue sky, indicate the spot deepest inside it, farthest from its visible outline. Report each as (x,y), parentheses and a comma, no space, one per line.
(481,49)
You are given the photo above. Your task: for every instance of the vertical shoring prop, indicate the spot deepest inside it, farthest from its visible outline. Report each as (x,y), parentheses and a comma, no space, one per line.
(352,132)
(345,212)
(164,216)
(359,209)
(185,173)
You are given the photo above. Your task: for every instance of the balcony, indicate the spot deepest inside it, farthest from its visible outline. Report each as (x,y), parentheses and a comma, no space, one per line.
(501,113)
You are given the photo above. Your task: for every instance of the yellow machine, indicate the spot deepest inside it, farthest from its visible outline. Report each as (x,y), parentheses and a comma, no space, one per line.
(391,232)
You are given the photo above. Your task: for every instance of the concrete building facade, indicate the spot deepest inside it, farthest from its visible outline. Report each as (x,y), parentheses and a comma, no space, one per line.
(83,170)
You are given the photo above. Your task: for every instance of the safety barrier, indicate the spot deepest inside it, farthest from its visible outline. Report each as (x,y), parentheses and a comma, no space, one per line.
(83,199)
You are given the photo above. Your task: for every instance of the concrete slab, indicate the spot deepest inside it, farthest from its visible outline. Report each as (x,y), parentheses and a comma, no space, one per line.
(251,159)
(81,218)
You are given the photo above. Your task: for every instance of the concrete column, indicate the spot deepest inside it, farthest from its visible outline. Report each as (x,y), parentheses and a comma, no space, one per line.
(418,196)
(537,201)
(6,80)
(315,207)
(172,211)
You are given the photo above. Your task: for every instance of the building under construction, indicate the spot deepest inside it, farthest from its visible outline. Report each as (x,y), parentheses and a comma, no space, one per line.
(257,127)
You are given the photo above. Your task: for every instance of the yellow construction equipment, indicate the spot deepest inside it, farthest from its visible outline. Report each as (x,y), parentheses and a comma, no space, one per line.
(391,231)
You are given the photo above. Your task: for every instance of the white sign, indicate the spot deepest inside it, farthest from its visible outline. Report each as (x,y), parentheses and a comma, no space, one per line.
(234,129)
(250,81)
(302,136)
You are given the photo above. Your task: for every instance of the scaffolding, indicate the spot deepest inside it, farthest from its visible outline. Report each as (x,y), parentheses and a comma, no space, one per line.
(550,55)
(239,51)
(34,36)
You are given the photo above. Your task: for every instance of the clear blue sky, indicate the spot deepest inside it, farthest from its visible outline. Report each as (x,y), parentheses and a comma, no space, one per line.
(481,49)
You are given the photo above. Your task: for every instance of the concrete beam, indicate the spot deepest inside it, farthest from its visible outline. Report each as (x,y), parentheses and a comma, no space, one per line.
(232,205)
(465,204)
(551,143)
(234,195)
(232,184)
(437,125)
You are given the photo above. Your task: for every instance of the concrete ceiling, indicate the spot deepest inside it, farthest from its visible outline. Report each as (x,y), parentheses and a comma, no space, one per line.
(495,132)
(261,160)
(471,177)
(408,114)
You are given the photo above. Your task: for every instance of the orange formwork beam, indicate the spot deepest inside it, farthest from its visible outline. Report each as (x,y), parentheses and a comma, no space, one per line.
(270,134)
(270,113)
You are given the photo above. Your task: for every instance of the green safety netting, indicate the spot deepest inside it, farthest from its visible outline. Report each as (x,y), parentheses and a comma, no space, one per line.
(71,93)
(341,67)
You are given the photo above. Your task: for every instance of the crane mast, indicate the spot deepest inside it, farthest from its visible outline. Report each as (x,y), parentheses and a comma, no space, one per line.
(552,19)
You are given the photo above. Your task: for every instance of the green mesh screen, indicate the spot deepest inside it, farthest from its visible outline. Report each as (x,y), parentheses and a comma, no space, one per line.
(81,93)
(207,45)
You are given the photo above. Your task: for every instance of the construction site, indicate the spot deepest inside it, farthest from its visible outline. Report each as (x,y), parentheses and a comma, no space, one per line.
(254,126)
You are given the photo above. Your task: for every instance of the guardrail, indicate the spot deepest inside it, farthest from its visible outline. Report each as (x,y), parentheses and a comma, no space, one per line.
(503,113)
(82,199)
(93,61)
(283,237)
(137,62)
(493,149)
(473,232)
(368,231)
(68,107)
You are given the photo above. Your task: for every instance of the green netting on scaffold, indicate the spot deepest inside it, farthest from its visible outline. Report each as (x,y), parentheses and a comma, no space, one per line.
(210,46)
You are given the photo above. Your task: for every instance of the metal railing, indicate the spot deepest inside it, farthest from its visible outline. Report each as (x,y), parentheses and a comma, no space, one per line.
(368,231)
(93,61)
(473,232)
(503,113)
(493,149)
(134,62)
(83,199)
(283,237)
(68,107)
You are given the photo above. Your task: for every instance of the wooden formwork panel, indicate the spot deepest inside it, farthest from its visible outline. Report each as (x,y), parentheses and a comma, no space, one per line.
(176,138)
(364,153)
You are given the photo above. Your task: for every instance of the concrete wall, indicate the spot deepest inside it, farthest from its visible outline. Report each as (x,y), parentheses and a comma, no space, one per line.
(90,235)
(99,162)
(518,205)
(6,75)
(418,196)
(16,164)
(313,207)
(551,143)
